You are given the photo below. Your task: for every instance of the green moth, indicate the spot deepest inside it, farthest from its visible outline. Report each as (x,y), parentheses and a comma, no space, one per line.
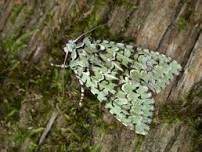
(122,76)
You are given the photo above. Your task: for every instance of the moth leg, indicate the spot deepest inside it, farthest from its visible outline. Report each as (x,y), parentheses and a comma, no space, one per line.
(82,93)
(59,65)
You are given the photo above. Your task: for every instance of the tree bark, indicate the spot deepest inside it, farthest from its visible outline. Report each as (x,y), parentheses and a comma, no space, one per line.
(32,34)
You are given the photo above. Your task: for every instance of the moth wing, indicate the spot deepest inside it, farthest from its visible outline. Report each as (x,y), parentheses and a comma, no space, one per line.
(153,69)
(132,106)
(150,68)
(129,100)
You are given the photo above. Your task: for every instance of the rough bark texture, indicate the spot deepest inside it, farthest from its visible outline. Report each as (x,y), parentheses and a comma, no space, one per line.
(32,34)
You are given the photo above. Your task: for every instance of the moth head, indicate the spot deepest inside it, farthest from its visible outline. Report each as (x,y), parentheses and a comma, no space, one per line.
(70,47)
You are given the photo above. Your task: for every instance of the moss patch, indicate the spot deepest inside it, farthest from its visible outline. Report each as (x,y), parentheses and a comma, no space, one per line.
(15,12)
(29,96)
(138,143)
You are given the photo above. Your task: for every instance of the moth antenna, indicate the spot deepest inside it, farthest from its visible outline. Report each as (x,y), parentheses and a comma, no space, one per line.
(96,27)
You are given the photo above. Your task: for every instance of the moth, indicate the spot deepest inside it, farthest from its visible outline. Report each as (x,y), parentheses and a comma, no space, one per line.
(123,77)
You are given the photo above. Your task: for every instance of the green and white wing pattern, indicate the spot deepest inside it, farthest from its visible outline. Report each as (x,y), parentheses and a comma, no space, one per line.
(124,78)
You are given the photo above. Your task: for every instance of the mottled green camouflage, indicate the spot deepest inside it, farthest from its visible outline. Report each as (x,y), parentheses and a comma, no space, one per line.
(122,76)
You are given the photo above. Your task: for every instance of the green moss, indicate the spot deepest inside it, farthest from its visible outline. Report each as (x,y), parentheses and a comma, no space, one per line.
(10,109)
(182,24)
(171,113)
(197,139)
(138,143)
(186,19)
(22,134)
(25,137)
(15,12)
(15,42)
(95,148)
(127,3)
(102,33)
(95,17)
(199,94)
(49,87)
(43,89)
(93,21)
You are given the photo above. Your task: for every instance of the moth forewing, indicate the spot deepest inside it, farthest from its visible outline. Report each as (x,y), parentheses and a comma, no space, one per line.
(122,76)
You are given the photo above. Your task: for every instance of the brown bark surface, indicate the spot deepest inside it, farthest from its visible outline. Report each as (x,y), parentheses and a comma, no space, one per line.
(32,34)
